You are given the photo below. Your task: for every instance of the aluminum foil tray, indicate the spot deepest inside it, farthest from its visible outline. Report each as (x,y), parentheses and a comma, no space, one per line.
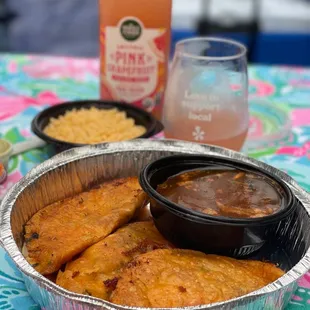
(77,169)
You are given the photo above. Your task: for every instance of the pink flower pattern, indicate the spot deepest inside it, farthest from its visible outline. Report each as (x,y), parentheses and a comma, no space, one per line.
(301,117)
(39,69)
(11,106)
(61,68)
(48,97)
(10,181)
(295,151)
(262,89)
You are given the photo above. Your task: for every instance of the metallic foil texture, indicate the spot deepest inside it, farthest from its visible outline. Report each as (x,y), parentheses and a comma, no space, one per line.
(75,170)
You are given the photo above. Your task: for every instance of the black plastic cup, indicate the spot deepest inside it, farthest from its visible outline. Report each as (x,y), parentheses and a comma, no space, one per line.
(186,228)
(141,117)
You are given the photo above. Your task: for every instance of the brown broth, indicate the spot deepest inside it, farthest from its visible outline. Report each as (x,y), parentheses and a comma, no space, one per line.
(230,193)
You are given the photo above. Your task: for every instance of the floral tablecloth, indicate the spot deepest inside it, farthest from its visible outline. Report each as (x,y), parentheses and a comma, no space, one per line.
(28,84)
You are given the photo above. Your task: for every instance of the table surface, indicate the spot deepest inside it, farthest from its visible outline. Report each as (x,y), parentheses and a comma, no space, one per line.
(28,84)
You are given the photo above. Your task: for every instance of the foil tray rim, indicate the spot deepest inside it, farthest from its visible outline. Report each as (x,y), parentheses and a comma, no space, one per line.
(8,242)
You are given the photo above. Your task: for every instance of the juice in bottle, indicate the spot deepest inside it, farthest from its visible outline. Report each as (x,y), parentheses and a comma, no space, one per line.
(134,51)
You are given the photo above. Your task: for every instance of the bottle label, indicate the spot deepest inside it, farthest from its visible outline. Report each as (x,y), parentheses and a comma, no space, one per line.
(133,63)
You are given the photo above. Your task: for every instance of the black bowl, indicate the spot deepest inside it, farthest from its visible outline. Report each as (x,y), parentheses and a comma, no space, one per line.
(140,116)
(186,228)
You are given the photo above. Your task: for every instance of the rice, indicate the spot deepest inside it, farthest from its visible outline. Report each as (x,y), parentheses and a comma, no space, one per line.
(91,126)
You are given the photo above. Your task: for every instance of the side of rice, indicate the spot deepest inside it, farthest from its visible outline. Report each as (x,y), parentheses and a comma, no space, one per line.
(91,126)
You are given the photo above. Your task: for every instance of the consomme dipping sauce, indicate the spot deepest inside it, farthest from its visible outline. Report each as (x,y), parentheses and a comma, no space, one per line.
(224,192)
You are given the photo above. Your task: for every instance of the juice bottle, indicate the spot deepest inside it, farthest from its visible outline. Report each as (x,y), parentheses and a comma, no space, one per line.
(134,51)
